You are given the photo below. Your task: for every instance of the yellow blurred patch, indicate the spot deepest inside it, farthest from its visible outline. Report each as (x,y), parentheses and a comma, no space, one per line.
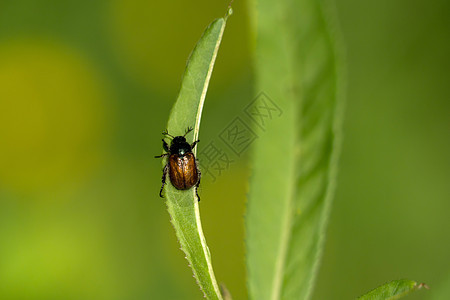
(54,257)
(52,115)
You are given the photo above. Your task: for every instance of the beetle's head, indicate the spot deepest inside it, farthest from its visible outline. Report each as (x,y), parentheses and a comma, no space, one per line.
(179,146)
(178,139)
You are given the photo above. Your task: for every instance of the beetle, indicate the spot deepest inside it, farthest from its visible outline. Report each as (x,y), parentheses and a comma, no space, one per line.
(182,164)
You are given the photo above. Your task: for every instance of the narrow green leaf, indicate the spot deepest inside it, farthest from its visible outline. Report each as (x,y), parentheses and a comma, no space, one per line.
(183,206)
(393,290)
(294,162)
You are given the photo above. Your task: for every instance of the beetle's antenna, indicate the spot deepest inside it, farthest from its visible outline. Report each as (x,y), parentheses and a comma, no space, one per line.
(165,132)
(188,130)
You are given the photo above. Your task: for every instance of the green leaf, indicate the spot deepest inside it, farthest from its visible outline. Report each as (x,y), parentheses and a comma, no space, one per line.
(294,160)
(393,290)
(183,206)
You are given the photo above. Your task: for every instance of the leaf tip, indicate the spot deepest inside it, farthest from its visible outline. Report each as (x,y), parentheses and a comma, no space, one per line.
(229,10)
(422,285)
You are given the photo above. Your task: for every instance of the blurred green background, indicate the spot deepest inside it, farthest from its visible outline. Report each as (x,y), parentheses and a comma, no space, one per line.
(85,91)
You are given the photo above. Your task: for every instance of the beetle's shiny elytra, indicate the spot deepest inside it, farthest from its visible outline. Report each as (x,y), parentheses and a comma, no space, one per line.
(182,164)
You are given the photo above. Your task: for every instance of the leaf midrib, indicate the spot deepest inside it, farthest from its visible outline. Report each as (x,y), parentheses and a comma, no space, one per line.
(196,131)
(291,176)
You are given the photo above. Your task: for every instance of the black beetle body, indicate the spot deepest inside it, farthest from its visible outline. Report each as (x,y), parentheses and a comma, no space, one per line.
(182,164)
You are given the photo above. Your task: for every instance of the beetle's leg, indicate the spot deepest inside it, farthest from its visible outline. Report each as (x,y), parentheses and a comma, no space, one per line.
(166,169)
(165,146)
(194,143)
(165,132)
(198,184)
(188,130)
